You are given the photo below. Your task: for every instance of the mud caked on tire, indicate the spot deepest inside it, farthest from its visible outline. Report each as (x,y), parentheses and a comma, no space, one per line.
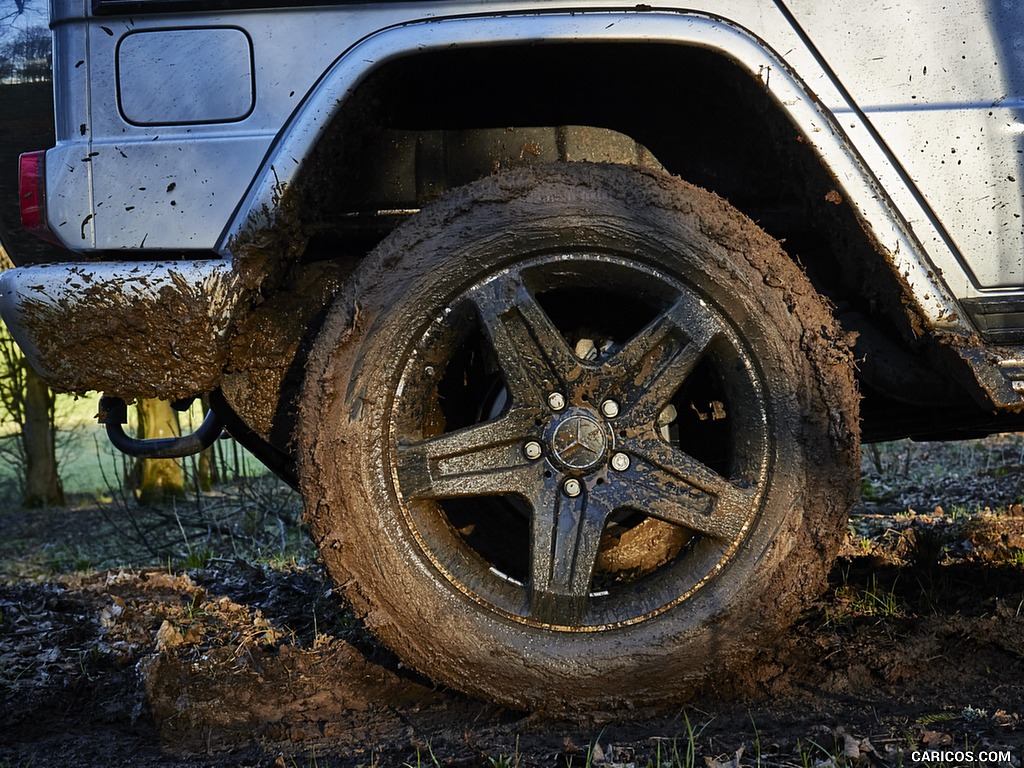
(579,436)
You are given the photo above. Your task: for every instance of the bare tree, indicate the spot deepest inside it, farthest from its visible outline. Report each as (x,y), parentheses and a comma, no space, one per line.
(24,40)
(10,10)
(27,56)
(43,487)
(27,404)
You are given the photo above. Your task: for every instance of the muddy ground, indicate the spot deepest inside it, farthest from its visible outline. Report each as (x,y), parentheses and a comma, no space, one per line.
(230,654)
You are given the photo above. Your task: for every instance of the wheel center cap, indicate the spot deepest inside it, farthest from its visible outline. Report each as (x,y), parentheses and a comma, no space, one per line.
(579,440)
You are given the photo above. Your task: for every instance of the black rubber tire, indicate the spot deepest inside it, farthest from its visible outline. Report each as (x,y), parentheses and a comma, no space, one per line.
(791,455)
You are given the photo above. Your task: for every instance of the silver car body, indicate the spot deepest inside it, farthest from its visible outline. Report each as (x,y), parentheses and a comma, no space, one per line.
(175,129)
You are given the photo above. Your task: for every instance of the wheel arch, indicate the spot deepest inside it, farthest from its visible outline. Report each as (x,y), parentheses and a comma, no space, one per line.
(519,38)
(809,175)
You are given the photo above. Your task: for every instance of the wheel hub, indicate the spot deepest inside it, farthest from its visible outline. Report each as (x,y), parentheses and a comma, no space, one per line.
(578,440)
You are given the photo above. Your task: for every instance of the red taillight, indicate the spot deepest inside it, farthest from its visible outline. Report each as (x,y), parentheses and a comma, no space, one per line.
(31,190)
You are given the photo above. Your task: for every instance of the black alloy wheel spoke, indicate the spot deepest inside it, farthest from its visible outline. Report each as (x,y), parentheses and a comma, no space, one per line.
(565,543)
(666,483)
(656,362)
(532,353)
(484,459)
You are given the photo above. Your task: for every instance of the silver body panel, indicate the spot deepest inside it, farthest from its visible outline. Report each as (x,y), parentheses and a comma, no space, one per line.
(918,118)
(931,108)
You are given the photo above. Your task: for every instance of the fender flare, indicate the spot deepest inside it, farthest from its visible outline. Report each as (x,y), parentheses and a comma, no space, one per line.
(930,296)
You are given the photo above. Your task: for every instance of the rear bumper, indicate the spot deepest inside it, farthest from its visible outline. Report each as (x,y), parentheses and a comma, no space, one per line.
(129,329)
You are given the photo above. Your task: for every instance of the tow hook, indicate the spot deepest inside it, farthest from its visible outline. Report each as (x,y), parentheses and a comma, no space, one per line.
(114,414)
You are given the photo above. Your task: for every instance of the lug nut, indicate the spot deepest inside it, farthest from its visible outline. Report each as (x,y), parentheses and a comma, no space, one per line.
(532,450)
(556,400)
(572,487)
(620,462)
(610,408)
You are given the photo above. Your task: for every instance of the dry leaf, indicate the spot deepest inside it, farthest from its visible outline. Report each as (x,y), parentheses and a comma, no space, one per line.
(167,636)
(936,739)
(851,748)
(725,762)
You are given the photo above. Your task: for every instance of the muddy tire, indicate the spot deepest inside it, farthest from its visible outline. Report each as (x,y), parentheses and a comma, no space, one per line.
(579,436)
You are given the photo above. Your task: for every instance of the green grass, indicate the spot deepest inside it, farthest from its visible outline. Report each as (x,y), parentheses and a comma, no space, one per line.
(89,465)
(873,601)
(311,762)
(82,447)
(420,760)
(185,534)
(677,752)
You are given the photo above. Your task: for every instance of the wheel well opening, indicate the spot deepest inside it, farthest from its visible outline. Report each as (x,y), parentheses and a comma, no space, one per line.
(420,125)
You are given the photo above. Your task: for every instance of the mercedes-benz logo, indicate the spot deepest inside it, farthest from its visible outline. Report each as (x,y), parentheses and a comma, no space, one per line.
(579,441)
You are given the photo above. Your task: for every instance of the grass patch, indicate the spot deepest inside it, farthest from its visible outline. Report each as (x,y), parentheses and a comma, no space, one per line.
(254,520)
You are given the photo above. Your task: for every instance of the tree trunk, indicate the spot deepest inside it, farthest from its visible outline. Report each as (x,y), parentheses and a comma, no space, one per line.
(160,479)
(42,483)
